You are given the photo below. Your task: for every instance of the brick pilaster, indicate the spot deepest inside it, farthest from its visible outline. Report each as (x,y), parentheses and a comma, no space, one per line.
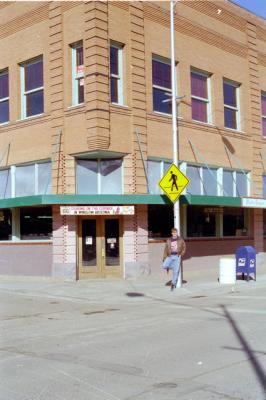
(96,58)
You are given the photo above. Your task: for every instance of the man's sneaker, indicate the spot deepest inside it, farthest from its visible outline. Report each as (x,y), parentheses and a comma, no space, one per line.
(172,287)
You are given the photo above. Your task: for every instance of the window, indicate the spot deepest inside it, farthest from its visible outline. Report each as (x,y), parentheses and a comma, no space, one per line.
(4,97)
(32,88)
(200,101)
(264,186)
(26,180)
(231,105)
(116,73)
(99,176)
(264,222)
(201,222)
(194,175)
(263,111)
(160,220)
(234,222)
(228,183)
(203,180)
(208,221)
(209,181)
(36,223)
(241,184)
(161,85)
(156,170)
(5,183)
(5,225)
(77,74)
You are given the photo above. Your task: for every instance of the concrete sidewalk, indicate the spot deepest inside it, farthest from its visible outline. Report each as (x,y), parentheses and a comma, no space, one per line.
(196,282)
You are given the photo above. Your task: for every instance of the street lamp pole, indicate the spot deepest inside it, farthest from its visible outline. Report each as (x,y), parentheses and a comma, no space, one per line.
(174,119)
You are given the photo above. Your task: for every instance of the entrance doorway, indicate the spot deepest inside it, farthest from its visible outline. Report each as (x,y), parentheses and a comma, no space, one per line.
(100,247)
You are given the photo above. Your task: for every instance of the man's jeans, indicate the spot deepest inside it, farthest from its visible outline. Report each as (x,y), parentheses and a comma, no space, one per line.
(173,262)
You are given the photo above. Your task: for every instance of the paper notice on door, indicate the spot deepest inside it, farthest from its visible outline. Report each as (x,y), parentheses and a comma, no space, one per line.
(88,240)
(111,240)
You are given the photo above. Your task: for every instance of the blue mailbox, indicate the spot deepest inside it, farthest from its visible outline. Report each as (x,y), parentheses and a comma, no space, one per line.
(246,261)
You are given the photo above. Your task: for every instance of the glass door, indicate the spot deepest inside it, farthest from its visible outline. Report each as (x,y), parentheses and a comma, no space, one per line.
(100,244)
(112,236)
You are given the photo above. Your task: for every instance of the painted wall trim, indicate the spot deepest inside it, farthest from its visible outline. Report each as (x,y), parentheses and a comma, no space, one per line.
(116,199)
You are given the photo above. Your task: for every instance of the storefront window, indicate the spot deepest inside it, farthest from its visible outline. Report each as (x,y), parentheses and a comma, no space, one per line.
(160,221)
(234,222)
(36,223)
(5,225)
(264,222)
(201,222)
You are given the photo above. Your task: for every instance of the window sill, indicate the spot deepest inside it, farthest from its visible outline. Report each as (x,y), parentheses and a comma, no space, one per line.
(31,117)
(203,123)
(234,130)
(74,106)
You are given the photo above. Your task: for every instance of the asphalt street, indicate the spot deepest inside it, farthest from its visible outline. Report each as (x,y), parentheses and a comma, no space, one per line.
(132,340)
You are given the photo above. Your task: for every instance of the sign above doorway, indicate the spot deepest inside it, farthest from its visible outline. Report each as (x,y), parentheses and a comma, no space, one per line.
(97,210)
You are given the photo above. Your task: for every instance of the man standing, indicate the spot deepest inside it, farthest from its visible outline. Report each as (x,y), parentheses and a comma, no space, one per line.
(175,248)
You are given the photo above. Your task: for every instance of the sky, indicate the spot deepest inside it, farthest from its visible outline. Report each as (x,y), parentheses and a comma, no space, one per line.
(256,6)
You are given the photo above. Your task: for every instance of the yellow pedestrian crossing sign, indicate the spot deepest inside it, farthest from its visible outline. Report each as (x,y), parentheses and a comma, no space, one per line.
(173,182)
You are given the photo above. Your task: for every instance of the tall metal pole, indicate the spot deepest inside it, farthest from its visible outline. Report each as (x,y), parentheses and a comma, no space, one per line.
(174,120)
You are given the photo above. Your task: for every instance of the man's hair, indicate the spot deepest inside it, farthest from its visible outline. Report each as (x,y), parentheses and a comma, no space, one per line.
(173,230)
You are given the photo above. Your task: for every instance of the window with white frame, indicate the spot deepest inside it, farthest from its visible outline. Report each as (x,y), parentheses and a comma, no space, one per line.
(5,183)
(212,181)
(161,85)
(77,73)
(263,112)
(156,170)
(32,90)
(4,97)
(193,172)
(200,96)
(25,180)
(228,183)
(231,105)
(116,73)
(264,185)
(99,176)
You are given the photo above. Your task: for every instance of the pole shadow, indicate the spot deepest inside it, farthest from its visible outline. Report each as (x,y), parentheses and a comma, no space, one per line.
(257,368)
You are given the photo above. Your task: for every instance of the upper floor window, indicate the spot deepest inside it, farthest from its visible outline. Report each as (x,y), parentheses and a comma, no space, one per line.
(4,97)
(77,73)
(161,85)
(231,105)
(32,88)
(99,176)
(263,112)
(200,96)
(116,73)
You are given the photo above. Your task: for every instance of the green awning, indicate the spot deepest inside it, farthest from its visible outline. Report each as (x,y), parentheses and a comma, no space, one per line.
(117,199)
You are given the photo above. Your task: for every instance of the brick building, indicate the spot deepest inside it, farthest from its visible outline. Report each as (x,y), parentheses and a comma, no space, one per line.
(85,135)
